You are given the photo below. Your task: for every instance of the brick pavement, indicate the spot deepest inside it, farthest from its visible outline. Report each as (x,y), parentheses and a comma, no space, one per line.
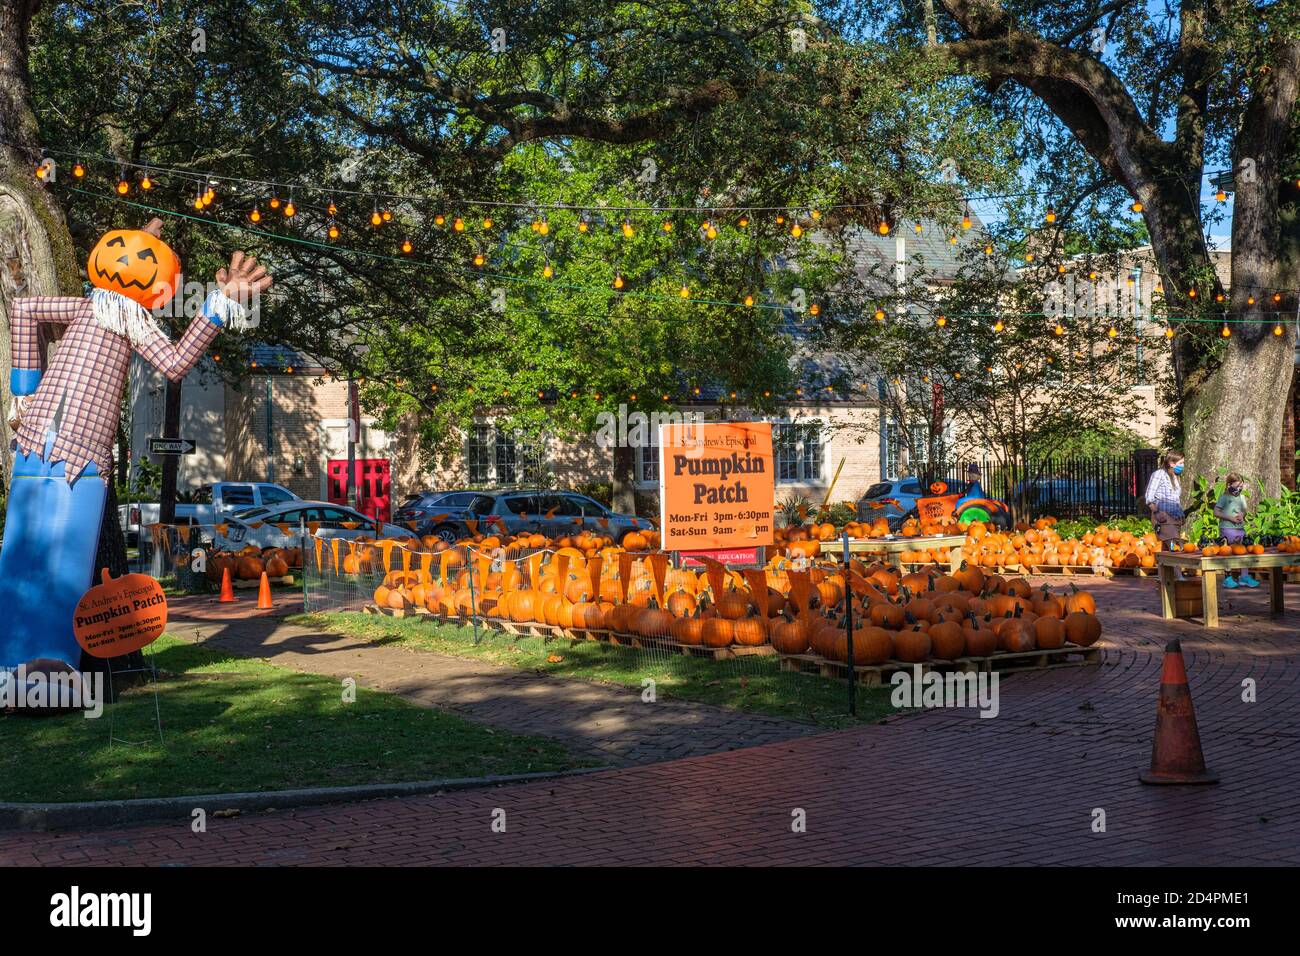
(944,788)
(603,721)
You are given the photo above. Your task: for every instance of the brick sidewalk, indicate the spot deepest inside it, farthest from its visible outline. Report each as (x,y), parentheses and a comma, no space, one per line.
(945,788)
(598,720)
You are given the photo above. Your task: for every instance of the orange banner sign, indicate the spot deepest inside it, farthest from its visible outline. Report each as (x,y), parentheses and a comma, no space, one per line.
(624,572)
(593,569)
(658,562)
(120,615)
(717,485)
(756,578)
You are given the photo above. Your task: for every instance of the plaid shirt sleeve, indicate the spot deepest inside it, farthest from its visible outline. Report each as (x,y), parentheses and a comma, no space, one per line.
(25,318)
(175,361)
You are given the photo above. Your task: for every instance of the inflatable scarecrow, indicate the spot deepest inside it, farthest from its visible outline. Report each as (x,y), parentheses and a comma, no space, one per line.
(66,418)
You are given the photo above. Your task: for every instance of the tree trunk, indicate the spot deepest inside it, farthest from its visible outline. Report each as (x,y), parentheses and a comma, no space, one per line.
(170,463)
(623,498)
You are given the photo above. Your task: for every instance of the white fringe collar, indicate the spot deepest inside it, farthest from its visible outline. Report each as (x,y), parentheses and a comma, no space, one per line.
(117,313)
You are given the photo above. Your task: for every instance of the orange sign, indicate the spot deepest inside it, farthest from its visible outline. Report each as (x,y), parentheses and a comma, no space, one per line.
(716,485)
(120,615)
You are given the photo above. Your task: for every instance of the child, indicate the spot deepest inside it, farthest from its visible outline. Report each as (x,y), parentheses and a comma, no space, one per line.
(1230,509)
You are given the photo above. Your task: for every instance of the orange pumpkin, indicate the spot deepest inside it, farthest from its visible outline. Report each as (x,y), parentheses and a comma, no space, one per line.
(136,264)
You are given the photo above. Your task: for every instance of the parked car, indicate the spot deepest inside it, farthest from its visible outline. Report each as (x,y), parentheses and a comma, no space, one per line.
(423,507)
(552,513)
(890,499)
(262,530)
(217,502)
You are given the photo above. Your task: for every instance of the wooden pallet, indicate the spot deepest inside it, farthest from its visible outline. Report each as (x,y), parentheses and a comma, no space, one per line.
(699,650)
(874,675)
(245,584)
(1070,570)
(396,611)
(1138,572)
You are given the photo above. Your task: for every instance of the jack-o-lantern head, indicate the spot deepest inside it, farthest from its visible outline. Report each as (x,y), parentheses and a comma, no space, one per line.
(137,264)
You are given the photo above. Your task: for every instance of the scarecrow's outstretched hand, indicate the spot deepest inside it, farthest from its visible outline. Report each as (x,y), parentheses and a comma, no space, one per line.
(244,280)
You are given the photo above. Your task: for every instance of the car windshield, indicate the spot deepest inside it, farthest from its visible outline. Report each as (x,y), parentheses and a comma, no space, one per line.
(882,490)
(482,504)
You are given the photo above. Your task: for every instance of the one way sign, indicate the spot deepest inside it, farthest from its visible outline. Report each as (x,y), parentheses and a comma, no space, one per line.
(172,446)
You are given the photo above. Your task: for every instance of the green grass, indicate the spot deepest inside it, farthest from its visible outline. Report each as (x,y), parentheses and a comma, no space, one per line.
(235,724)
(753,684)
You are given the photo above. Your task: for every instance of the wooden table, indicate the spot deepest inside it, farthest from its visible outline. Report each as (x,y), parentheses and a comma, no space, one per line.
(893,548)
(1169,563)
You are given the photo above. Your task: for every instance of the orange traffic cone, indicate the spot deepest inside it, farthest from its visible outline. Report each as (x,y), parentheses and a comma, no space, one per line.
(1176,751)
(227,589)
(264,594)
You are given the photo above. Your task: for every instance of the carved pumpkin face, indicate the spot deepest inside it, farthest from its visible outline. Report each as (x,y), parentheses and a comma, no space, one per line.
(136,264)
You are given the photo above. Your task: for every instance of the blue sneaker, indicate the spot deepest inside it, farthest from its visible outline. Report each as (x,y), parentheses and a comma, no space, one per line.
(1247,581)
(1230,582)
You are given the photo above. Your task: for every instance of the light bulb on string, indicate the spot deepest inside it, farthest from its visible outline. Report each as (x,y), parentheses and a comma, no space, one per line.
(387,215)
(146,183)
(796,230)
(583,224)
(880,315)
(458,224)
(1277,297)
(479,259)
(544,227)
(628,231)
(815,309)
(883,228)
(668,225)
(376,220)
(965,218)
(1060,329)
(1137,206)
(988,250)
(952,240)
(1060,270)
(1112,331)
(333,231)
(255,215)
(1218,297)
(1169,331)
(749,301)
(487,223)
(618,282)
(275,202)
(998,326)
(331,209)
(1250,300)
(1029,257)
(1191,293)
(941,321)
(743,222)
(78,170)
(1051,215)
(1225,331)
(198,201)
(1277,329)
(547,270)
(289,210)
(684,292)
(406,246)
(917,228)
(711,232)
(1221,196)
(780,219)
(814,214)
(123,187)
(438,220)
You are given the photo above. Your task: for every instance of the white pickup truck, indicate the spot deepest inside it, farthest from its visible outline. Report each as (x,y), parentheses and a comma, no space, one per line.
(216,502)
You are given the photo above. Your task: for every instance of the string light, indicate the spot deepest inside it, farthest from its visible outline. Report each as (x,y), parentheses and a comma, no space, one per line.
(1051,215)
(1221,196)
(479,259)
(917,228)
(668,225)
(618,282)
(1169,331)
(749,301)
(146,183)
(815,309)
(883,228)
(333,232)
(1250,300)
(123,187)
(998,326)
(275,202)
(1226,332)
(743,222)
(880,315)
(458,224)
(796,230)
(583,224)
(965,219)
(331,209)
(1060,329)
(684,292)
(941,321)
(255,215)
(547,271)
(438,220)
(628,231)
(406,246)
(1277,329)
(487,222)
(388,215)
(1137,206)
(1112,331)
(79,170)
(815,214)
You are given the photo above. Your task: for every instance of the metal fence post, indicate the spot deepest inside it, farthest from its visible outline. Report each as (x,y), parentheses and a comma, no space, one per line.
(473,599)
(848,630)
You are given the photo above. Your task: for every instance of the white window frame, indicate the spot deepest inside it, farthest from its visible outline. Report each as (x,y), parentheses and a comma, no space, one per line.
(823,430)
(494,476)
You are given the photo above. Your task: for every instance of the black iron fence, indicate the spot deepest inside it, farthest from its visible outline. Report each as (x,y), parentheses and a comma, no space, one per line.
(1096,487)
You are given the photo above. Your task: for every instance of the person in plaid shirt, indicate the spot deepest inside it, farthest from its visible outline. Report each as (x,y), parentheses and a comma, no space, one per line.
(66,418)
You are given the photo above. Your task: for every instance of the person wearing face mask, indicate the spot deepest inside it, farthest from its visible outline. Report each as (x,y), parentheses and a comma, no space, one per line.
(1164,498)
(1230,509)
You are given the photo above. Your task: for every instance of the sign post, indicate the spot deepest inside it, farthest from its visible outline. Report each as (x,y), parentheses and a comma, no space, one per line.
(717,490)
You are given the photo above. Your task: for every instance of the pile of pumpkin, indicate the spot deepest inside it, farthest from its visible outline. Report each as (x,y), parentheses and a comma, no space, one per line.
(804,541)
(366,554)
(248,563)
(896,616)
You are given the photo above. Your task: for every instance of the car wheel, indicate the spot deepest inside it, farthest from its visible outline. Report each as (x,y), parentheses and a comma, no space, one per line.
(447,532)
